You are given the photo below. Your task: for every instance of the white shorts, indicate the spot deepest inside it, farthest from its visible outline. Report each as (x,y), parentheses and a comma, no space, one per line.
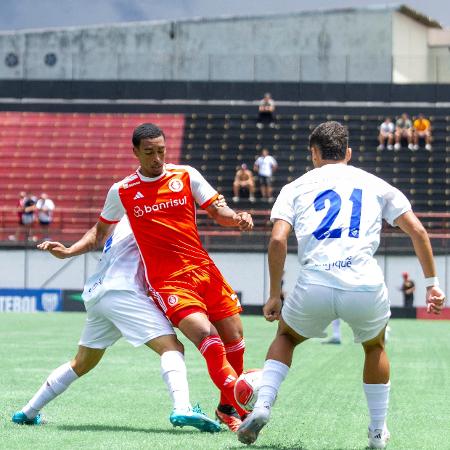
(130,314)
(310,308)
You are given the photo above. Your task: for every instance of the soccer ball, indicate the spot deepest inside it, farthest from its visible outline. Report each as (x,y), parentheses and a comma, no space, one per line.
(247,387)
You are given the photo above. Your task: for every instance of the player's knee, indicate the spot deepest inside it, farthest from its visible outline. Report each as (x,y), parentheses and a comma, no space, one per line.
(81,367)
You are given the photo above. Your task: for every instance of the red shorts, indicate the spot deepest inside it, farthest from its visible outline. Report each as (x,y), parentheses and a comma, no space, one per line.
(200,290)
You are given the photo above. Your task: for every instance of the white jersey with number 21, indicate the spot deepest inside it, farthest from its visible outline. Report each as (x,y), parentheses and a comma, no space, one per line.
(336,212)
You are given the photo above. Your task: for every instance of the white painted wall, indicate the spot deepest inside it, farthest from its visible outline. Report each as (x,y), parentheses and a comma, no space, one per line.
(409,50)
(246,272)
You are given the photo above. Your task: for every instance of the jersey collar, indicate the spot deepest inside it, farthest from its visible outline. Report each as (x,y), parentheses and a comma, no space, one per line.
(150,179)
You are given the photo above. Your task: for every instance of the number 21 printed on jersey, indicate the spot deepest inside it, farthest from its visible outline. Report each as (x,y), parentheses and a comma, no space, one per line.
(324,231)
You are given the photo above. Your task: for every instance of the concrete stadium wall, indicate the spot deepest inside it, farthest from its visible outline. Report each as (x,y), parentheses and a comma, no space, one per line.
(335,46)
(246,272)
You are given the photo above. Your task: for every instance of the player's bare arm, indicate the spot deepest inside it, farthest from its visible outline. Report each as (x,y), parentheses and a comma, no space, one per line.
(227,217)
(277,256)
(411,225)
(92,239)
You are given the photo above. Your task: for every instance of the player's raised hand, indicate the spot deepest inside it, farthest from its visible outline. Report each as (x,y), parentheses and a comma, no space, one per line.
(435,299)
(57,249)
(244,221)
(272,309)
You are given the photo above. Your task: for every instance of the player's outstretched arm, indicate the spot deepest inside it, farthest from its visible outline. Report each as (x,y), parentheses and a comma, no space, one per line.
(226,217)
(276,256)
(411,225)
(92,239)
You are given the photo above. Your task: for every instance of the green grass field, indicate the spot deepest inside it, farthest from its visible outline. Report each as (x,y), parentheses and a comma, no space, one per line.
(123,403)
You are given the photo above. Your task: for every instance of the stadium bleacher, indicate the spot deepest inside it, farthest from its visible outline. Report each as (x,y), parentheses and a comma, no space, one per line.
(75,157)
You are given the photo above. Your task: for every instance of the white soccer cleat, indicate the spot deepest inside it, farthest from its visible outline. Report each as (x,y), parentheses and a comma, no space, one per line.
(379,438)
(248,432)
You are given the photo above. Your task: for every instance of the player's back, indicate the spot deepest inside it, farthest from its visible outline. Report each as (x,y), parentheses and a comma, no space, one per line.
(336,211)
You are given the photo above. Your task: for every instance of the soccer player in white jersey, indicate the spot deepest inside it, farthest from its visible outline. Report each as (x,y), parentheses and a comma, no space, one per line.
(336,212)
(117,305)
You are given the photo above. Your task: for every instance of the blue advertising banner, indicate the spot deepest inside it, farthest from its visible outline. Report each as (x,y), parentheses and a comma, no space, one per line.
(30,300)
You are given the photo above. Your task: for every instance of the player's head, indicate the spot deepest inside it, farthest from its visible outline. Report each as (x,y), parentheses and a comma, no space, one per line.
(149,147)
(264,152)
(405,275)
(329,143)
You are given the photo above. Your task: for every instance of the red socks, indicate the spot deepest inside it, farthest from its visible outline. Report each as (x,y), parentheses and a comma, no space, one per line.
(220,370)
(235,355)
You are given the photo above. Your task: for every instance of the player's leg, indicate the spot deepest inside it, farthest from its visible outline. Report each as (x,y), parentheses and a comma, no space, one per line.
(57,382)
(231,332)
(202,333)
(306,313)
(276,367)
(140,322)
(174,375)
(367,313)
(98,334)
(377,386)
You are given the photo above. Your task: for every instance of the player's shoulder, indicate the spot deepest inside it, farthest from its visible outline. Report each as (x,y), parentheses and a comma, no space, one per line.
(182,169)
(127,182)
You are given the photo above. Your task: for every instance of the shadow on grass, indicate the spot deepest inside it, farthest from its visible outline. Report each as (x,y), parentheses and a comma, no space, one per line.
(100,428)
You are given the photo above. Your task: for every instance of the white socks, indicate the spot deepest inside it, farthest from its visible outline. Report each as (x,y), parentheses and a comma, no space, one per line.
(174,374)
(274,373)
(336,324)
(377,400)
(57,382)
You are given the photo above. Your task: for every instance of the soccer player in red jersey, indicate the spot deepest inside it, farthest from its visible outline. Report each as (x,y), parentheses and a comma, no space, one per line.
(160,202)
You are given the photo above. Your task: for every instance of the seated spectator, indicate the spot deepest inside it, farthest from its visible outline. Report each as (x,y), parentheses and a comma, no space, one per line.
(386,134)
(26,207)
(266,110)
(45,208)
(243,180)
(265,166)
(422,129)
(403,130)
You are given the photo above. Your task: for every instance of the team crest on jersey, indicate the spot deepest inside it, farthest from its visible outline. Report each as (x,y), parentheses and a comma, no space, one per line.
(172,300)
(175,185)
(138,212)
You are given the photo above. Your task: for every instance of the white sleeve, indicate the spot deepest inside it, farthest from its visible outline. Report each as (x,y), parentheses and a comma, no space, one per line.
(113,209)
(202,191)
(395,204)
(283,207)
(274,162)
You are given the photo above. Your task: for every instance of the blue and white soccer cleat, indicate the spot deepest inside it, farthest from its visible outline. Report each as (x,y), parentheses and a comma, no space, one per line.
(248,432)
(194,418)
(379,438)
(21,418)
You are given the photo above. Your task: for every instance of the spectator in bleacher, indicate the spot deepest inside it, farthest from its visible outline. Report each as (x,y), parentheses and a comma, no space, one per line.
(243,180)
(266,111)
(265,166)
(403,130)
(387,130)
(26,207)
(422,129)
(45,208)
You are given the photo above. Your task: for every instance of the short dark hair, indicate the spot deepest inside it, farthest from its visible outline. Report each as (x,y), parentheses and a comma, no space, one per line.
(146,131)
(331,139)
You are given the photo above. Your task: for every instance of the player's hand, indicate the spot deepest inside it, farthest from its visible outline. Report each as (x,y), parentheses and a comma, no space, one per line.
(435,299)
(55,248)
(220,201)
(243,220)
(272,309)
